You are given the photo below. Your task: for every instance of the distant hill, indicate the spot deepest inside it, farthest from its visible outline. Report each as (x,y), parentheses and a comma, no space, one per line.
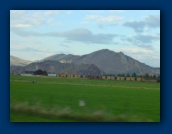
(63,58)
(15,61)
(57,67)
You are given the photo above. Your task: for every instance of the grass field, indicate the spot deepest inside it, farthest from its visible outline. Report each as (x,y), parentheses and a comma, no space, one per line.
(57,100)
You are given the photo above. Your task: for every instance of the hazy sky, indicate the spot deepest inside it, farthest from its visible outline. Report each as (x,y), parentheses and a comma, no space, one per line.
(36,34)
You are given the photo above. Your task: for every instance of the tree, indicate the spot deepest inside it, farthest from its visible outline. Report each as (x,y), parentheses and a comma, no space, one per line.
(128,75)
(123,75)
(154,77)
(158,78)
(119,75)
(40,72)
(146,76)
(134,75)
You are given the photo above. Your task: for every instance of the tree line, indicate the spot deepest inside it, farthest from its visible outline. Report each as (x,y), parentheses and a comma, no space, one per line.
(146,76)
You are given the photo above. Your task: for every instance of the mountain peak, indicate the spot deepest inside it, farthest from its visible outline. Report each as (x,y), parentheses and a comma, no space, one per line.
(120,53)
(104,51)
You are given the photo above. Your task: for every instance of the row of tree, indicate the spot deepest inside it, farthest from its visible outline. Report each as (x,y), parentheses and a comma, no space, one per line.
(146,76)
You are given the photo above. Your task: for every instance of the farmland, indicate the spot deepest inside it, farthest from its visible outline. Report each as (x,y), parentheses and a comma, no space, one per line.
(45,99)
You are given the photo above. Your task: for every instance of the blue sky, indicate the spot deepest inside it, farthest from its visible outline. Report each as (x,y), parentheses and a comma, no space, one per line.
(36,34)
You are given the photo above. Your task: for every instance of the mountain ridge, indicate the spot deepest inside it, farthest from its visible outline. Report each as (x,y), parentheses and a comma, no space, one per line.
(15,61)
(107,61)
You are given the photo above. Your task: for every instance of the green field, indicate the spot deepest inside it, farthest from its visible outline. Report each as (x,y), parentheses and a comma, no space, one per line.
(57,100)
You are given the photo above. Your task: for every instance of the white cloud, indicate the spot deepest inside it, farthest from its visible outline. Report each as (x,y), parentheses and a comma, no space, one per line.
(151,21)
(135,50)
(28,18)
(116,11)
(51,12)
(22,25)
(146,41)
(80,35)
(104,18)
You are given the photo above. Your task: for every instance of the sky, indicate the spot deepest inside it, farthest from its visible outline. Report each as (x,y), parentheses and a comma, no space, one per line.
(37,34)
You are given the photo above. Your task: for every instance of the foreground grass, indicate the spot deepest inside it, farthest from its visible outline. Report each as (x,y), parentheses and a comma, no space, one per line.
(135,104)
(37,113)
(23,117)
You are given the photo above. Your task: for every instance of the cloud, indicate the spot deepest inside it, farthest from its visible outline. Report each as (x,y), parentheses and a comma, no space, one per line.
(30,18)
(104,19)
(81,35)
(50,13)
(144,41)
(146,38)
(135,50)
(22,25)
(65,46)
(152,21)
(137,26)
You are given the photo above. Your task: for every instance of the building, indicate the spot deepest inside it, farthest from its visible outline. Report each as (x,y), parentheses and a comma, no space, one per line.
(28,73)
(51,74)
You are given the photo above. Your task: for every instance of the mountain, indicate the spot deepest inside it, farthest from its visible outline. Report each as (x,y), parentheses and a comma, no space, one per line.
(114,63)
(15,61)
(62,58)
(99,62)
(57,67)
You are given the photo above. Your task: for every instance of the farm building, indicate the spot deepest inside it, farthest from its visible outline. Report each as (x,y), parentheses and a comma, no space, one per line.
(51,74)
(28,73)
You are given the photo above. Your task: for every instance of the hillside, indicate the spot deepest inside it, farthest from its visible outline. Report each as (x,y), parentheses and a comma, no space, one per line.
(103,61)
(61,58)
(15,61)
(114,63)
(57,67)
